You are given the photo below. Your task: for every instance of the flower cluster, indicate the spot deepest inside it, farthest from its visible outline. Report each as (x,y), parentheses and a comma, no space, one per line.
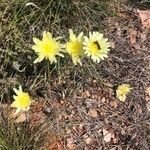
(122,91)
(79,46)
(95,46)
(22,100)
(48,47)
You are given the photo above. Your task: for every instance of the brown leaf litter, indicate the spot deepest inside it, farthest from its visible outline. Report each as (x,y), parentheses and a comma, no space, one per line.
(145,18)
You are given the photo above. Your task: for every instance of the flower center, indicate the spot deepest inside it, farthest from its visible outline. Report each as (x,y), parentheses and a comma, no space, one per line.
(95,47)
(23,100)
(124,91)
(48,48)
(75,47)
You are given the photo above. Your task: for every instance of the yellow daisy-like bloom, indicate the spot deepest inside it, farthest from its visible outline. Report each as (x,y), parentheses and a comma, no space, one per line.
(48,48)
(22,100)
(96,46)
(122,91)
(75,47)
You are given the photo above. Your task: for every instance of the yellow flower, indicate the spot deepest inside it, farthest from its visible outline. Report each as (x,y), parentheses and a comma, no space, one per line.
(75,47)
(22,100)
(96,46)
(122,91)
(48,48)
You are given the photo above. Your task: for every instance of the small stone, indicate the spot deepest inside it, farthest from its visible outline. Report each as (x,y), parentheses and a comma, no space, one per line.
(114,104)
(92,113)
(88,140)
(107,135)
(87,94)
(68,131)
(103,100)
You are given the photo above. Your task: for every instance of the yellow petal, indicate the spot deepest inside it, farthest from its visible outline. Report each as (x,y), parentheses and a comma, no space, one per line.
(36,48)
(72,35)
(14,104)
(14,97)
(122,98)
(18,110)
(47,36)
(36,41)
(80,36)
(61,55)
(39,59)
(52,59)
(20,88)
(16,91)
